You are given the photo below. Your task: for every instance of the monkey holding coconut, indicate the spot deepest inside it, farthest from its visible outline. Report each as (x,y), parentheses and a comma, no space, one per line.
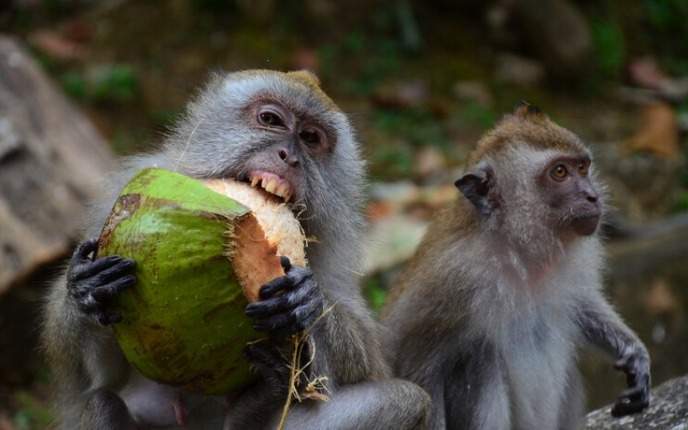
(155,340)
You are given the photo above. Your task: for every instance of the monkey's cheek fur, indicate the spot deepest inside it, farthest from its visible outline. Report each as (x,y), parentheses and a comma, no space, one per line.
(202,250)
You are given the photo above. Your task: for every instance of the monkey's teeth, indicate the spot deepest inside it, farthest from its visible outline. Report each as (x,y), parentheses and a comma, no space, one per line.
(271,186)
(283,191)
(254,181)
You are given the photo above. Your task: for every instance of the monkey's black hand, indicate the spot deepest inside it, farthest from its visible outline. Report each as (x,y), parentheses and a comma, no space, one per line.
(94,282)
(288,304)
(271,364)
(635,363)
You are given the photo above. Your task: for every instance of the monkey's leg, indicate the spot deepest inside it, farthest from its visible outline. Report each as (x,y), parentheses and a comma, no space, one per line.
(603,328)
(105,410)
(385,405)
(391,404)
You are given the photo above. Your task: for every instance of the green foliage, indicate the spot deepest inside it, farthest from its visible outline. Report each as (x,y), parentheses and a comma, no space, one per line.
(416,125)
(609,46)
(112,84)
(374,293)
(681,204)
(475,115)
(391,159)
(74,84)
(31,413)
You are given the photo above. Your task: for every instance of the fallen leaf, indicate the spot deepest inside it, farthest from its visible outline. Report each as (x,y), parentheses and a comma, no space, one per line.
(657,132)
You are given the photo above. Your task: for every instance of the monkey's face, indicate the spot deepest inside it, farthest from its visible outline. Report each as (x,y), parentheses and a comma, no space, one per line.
(276,131)
(570,194)
(288,143)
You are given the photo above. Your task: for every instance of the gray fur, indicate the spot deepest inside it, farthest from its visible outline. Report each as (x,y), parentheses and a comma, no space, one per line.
(213,139)
(490,313)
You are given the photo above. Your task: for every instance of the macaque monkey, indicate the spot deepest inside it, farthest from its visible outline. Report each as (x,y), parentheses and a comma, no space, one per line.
(278,131)
(506,286)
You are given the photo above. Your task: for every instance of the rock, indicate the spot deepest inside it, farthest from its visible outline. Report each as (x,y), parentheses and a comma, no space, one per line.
(51,159)
(648,248)
(668,410)
(557,32)
(642,184)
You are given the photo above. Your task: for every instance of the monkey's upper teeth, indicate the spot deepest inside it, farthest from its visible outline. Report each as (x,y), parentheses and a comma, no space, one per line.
(272,184)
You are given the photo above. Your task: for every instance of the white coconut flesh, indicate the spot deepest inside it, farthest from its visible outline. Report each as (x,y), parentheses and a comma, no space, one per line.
(269,232)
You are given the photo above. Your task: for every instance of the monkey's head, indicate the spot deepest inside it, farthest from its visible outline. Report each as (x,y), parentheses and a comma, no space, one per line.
(531,179)
(277,131)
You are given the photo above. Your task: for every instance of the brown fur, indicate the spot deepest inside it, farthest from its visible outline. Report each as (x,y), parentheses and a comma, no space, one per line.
(526,125)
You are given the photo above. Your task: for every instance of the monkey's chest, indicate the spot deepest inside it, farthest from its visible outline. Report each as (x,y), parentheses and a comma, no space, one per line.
(535,361)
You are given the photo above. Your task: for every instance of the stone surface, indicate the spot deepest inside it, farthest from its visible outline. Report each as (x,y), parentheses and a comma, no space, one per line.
(51,159)
(668,410)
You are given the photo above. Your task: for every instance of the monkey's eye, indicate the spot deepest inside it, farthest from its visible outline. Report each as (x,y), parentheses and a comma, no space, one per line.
(312,137)
(559,172)
(270,119)
(583,168)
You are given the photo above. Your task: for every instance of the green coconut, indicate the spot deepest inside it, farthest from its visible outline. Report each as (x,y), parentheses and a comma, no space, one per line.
(202,249)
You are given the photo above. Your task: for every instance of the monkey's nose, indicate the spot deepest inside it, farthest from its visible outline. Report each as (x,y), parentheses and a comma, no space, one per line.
(291,160)
(592,198)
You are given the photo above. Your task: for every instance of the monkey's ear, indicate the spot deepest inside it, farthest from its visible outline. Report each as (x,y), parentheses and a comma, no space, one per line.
(476,186)
(526,110)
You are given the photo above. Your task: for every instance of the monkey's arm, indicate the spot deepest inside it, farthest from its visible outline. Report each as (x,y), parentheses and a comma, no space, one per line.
(81,350)
(603,328)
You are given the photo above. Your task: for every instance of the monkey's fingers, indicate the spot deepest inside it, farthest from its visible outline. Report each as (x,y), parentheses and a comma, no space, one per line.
(88,268)
(108,318)
(107,292)
(289,300)
(294,277)
(291,322)
(632,400)
(116,271)
(625,407)
(84,249)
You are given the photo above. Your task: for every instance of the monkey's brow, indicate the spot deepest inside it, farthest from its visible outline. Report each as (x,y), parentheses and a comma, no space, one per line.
(571,158)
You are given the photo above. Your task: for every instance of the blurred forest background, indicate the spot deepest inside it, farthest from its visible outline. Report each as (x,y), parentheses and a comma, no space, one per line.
(421,80)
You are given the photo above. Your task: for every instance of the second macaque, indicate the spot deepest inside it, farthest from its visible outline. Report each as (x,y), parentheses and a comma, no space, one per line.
(506,286)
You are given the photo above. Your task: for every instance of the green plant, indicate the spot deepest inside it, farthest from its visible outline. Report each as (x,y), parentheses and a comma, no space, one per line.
(609,46)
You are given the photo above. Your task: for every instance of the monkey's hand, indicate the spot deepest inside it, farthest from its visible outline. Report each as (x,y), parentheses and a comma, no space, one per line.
(288,304)
(271,364)
(93,282)
(635,363)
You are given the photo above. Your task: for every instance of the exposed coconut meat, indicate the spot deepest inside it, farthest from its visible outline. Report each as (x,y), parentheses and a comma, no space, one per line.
(277,233)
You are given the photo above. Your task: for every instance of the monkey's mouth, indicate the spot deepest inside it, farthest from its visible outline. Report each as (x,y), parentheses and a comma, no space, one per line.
(272,184)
